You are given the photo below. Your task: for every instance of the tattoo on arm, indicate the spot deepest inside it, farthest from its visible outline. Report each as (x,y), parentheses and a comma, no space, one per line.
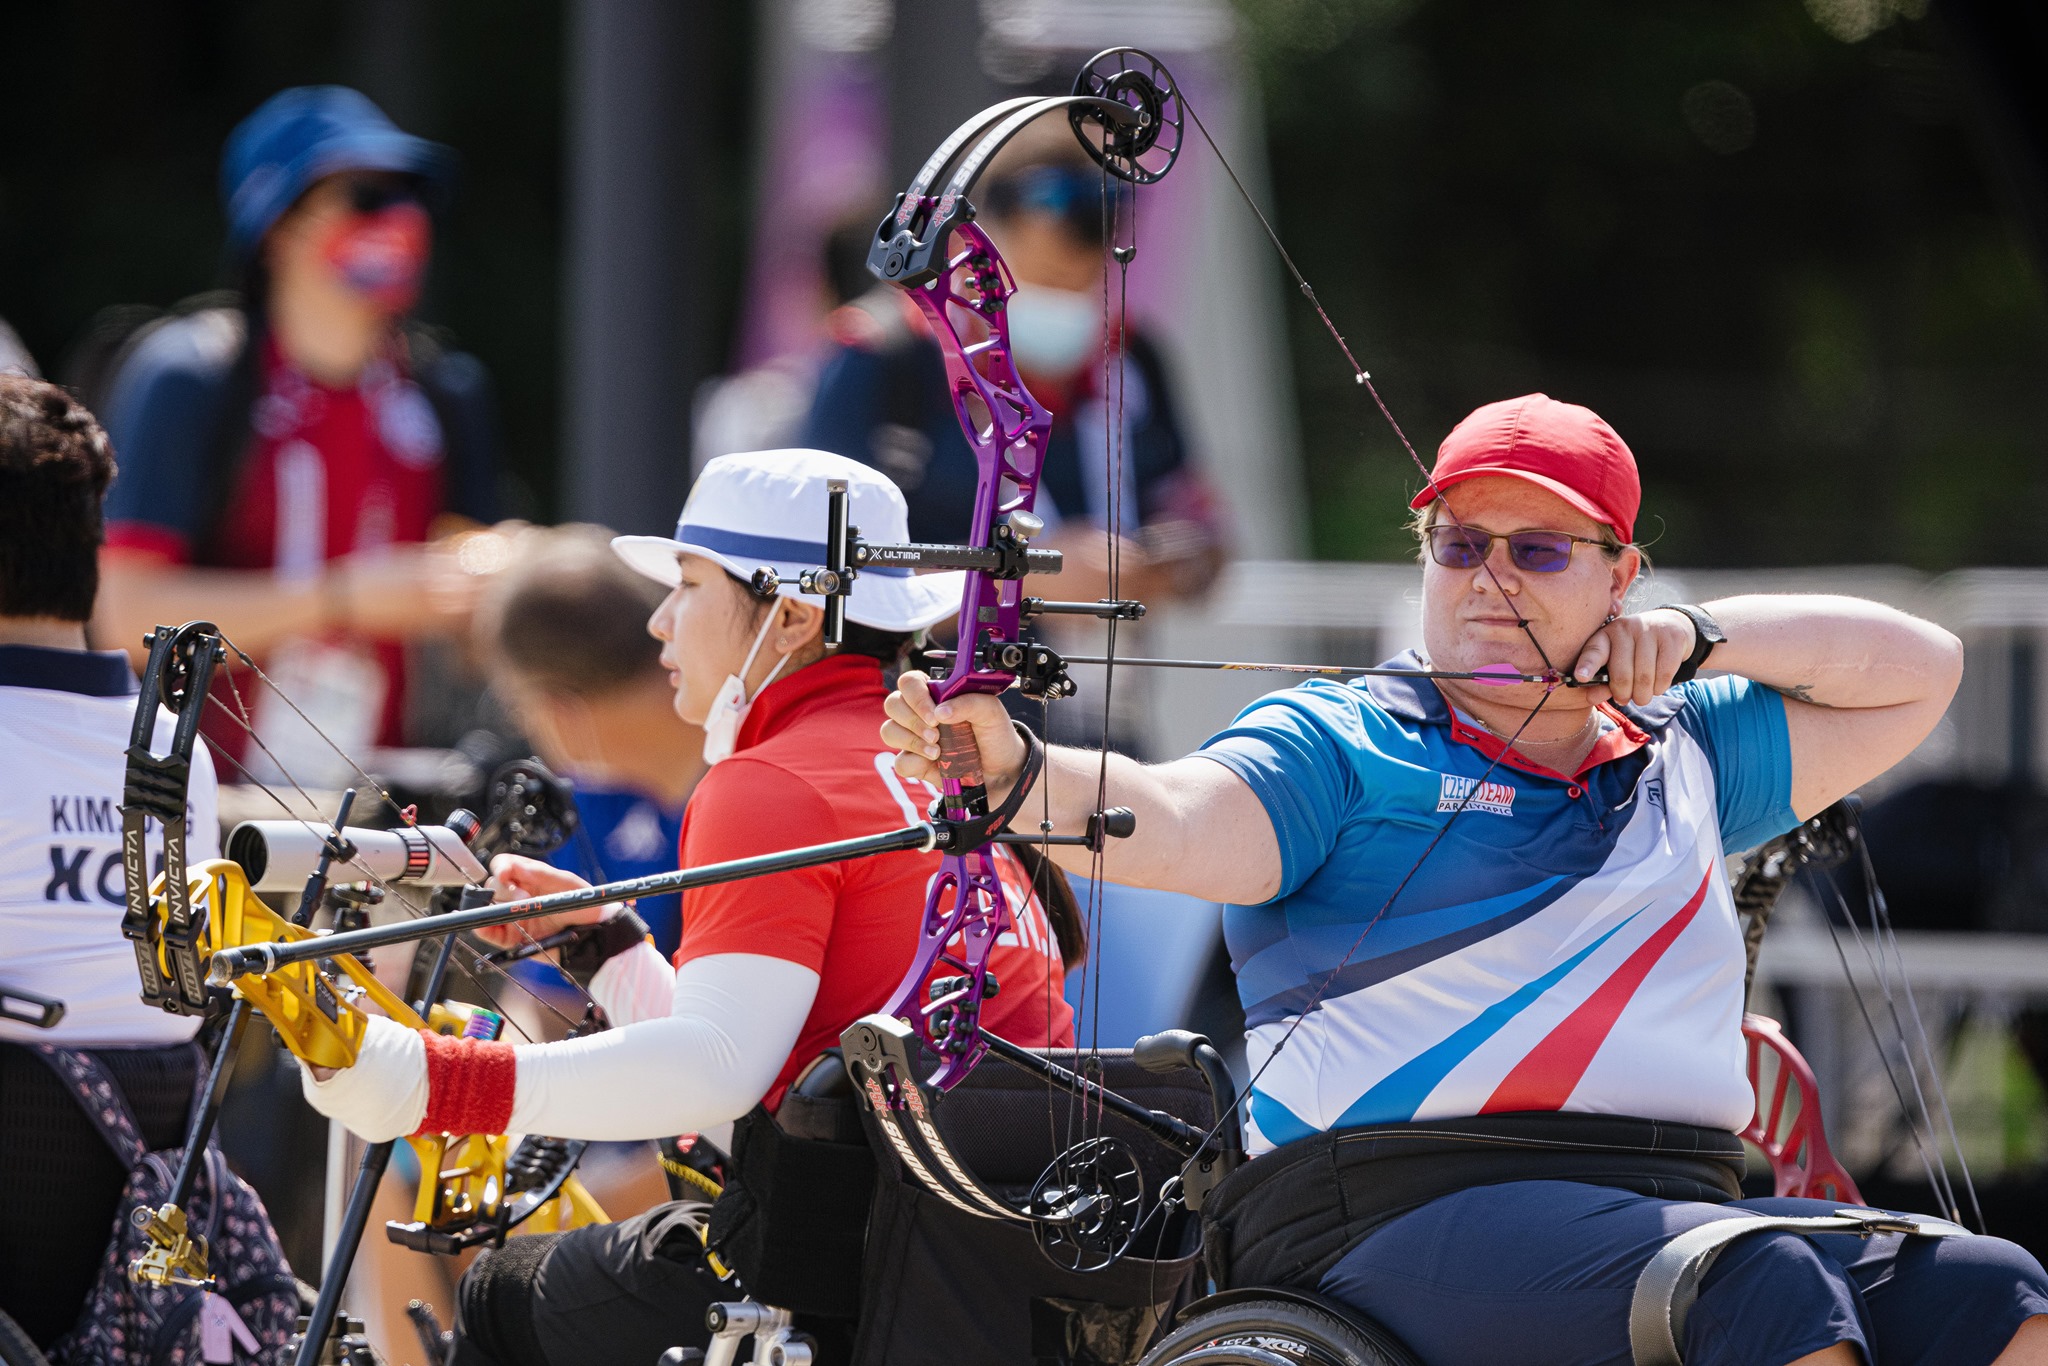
(1803,692)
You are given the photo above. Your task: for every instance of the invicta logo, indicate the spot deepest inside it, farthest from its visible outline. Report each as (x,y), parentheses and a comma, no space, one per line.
(1469,794)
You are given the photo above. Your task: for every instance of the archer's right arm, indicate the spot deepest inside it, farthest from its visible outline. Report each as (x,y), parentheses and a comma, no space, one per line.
(1201,829)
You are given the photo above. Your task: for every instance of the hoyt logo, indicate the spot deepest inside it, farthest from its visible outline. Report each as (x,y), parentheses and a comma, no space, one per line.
(1469,794)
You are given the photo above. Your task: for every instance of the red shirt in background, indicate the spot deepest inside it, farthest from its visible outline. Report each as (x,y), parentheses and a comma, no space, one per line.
(329,472)
(810,767)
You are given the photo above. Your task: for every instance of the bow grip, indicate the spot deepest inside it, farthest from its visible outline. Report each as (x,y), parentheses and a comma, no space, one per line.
(960,756)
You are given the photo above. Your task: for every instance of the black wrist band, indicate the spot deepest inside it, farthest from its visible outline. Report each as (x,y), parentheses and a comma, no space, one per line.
(1027,776)
(1706,634)
(602,942)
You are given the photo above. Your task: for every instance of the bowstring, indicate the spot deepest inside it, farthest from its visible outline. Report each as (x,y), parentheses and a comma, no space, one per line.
(1881,919)
(1330,978)
(1364,379)
(1880,949)
(241,716)
(1442,506)
(1930,1162)
(391,891)
(1881,930)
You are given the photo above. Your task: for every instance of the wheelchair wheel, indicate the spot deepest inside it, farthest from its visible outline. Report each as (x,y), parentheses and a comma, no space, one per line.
(15,1347)
(1276,1332)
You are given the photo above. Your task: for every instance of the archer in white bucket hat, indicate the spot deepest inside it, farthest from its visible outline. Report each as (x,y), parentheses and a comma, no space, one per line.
(766,509)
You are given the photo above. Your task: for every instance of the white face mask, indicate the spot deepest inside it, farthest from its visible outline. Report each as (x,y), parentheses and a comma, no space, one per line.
(729,709)
(1053,331)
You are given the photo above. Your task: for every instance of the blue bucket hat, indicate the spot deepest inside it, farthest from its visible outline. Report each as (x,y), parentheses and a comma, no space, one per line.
(300,135)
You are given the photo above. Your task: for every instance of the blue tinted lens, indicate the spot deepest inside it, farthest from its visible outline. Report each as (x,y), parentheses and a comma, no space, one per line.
(1456,547)
(1540,552)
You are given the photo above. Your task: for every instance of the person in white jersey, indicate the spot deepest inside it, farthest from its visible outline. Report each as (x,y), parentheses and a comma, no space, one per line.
(1517,1053)
(65,717)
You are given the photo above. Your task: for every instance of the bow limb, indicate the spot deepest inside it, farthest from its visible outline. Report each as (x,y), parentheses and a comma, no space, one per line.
(474,1187)
(1085,1208)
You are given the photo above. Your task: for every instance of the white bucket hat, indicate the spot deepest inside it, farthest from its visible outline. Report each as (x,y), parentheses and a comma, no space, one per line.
(766,509)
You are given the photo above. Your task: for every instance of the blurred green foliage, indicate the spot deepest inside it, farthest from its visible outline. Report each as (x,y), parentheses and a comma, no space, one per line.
(1765,239)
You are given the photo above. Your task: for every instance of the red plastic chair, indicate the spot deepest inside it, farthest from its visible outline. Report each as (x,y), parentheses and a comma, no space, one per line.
(1786,1126)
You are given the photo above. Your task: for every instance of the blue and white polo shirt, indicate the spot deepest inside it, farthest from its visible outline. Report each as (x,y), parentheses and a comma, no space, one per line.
(1571,943)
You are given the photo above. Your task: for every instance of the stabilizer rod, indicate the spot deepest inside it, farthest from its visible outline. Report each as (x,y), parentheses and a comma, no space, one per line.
(229,964)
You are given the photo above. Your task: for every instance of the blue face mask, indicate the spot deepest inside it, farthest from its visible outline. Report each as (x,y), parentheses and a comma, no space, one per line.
(1053,332)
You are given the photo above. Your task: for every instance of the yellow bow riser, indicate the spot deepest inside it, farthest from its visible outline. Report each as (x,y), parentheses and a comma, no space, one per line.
(463,1176)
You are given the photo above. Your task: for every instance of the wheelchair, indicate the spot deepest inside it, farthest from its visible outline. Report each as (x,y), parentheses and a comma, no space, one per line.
(994,1122)
(994,1118)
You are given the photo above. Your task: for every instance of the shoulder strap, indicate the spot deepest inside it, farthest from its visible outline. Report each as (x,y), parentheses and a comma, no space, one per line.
(1670,1281)
(96,1092)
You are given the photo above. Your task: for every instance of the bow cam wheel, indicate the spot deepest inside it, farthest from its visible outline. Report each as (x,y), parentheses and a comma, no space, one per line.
(1086,1206)
(175,688)
(1144,151)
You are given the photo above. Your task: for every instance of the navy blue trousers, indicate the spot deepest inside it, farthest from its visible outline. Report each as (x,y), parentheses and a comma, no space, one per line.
(1541,1272)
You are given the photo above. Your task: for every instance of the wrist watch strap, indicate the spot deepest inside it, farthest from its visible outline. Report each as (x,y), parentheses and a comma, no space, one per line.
(602,942)
(1706,634)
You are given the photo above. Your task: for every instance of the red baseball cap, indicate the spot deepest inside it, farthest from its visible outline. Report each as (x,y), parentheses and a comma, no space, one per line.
(1569,450)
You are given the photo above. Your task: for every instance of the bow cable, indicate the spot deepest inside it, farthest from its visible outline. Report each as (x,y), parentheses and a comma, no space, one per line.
(240,715)
(1554,676)
(1883,956)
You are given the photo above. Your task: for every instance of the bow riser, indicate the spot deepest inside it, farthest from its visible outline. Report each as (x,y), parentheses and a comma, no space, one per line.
(464,1198)
(966,902)
(1008,429)
(1008,435)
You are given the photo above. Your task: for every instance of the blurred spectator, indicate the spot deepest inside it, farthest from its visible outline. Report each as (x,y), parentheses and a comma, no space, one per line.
(564,636)
(884,399)
(65,718)
(285,457)
(769,405)
(14,357)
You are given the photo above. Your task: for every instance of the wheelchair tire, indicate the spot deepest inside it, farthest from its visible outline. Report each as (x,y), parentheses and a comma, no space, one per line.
(1259,1332)
(16,1348)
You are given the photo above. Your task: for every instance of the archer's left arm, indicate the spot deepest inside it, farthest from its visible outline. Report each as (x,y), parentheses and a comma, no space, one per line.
(1863,683)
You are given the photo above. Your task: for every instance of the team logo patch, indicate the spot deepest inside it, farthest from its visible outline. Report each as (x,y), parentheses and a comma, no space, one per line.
(1469,794)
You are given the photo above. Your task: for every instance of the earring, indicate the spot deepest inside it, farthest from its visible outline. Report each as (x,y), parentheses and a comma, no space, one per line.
(1612,617)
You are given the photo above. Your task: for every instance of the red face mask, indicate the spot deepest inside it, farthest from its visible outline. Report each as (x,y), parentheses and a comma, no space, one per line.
(382,255)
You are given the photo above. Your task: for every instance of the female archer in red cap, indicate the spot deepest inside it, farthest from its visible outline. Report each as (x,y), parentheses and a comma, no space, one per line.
(1542,1016)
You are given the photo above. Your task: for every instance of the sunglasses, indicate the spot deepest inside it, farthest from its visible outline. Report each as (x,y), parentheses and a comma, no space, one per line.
(368,196)
(1533,552)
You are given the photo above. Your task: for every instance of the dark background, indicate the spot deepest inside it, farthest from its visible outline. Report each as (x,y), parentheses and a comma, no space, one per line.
(1792,250)
(1801,275)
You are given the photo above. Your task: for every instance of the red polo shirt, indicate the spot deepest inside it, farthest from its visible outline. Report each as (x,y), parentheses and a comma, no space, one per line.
(809,767)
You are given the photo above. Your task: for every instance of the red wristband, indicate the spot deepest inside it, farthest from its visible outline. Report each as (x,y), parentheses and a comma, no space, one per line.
(470,1085)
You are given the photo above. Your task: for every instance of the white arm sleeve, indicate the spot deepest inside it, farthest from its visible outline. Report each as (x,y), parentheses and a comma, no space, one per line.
(384,1095)
(733,1019)
(636,985)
